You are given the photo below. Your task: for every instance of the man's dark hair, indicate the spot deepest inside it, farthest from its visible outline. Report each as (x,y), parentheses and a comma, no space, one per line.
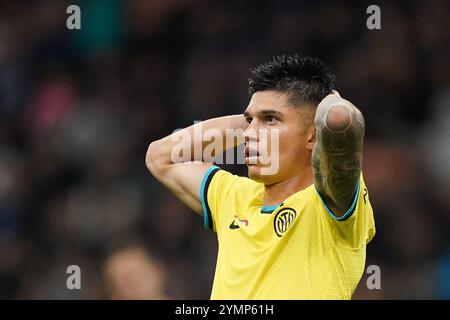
(303,79)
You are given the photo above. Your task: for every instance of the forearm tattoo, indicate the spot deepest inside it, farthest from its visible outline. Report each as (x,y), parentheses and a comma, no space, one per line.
(337,155)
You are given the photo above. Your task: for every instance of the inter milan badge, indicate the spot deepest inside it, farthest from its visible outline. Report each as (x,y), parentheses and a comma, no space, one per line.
(283,220)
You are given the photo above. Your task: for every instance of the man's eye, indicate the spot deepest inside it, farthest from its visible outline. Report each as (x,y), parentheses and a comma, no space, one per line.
(270,119)
(249,120)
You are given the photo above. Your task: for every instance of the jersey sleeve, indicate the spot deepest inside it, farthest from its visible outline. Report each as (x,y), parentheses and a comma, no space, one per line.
(356,227)
(217,189)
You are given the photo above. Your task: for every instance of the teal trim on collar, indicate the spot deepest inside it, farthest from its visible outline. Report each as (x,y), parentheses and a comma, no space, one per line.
(269,209)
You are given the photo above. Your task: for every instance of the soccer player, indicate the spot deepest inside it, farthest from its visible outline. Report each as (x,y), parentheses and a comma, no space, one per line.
(301,231)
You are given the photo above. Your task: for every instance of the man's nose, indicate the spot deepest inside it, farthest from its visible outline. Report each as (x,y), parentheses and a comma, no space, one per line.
(251,134)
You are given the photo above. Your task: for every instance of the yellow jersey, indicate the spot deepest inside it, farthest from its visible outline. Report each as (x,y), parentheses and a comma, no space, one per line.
(295,250)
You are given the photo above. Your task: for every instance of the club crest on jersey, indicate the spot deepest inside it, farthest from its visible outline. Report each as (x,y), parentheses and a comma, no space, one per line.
(284,220)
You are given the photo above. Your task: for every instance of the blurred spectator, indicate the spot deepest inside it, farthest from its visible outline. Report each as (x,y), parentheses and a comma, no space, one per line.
(132,274)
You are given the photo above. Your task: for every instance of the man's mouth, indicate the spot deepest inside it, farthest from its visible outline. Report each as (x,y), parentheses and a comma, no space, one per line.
(251,152)
(251,155)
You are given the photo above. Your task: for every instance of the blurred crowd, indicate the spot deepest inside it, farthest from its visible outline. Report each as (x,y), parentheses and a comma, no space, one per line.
(78,109)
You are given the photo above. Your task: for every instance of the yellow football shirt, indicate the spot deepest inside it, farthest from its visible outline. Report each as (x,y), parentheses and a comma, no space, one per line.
(296,250)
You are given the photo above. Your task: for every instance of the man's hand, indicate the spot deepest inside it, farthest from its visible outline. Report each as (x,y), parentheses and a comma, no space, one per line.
(337,154)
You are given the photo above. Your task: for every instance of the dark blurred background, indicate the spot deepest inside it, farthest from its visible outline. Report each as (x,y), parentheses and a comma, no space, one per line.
(79,108)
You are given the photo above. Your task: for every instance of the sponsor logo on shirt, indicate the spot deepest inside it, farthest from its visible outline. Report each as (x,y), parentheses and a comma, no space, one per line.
(233,224)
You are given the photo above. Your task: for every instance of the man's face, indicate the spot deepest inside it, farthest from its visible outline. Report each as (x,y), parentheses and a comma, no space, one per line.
(279,137)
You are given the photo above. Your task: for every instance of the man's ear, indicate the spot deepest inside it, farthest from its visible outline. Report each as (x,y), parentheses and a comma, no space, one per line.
(311,138)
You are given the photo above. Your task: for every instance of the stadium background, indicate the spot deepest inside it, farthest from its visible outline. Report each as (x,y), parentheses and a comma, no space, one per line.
(79,108)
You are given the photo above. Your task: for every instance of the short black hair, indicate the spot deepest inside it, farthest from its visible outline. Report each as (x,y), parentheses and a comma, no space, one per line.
(304,79)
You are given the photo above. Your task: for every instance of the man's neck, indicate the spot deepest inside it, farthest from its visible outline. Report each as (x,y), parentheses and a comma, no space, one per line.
(278,192)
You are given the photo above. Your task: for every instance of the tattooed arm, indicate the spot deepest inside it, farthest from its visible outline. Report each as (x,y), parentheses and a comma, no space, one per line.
(337,153)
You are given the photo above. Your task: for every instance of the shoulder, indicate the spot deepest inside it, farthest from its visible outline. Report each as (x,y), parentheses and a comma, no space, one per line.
(220,177)
(223,185)
(222,192)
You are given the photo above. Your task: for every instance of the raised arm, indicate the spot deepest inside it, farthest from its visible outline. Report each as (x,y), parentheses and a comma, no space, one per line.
(337,153)
(177,160)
